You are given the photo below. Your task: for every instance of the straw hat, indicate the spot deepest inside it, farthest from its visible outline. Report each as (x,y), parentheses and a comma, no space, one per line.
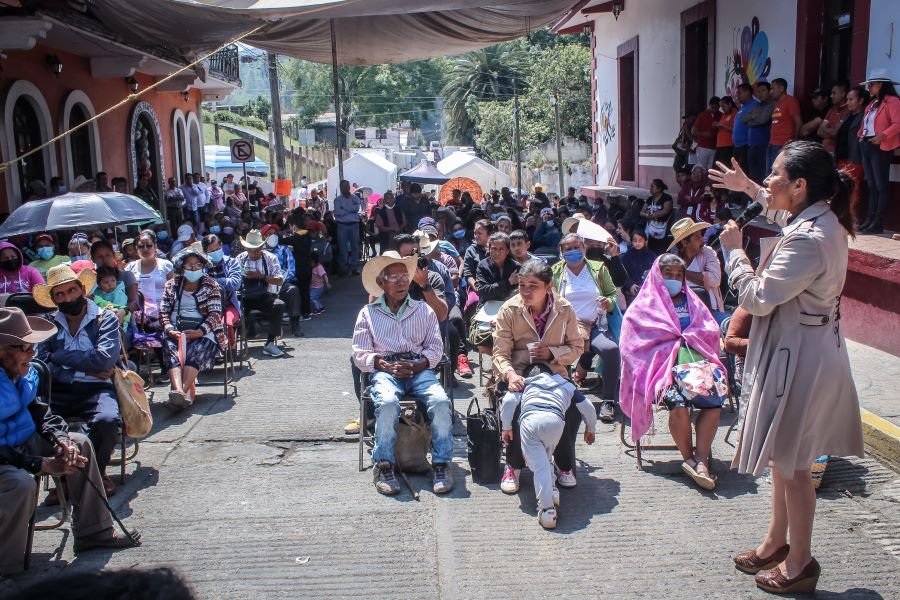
(426,245)
(58,275)
(568,226)
(374,267)
(879,74)
(682,228)
(254,240)
(17,329)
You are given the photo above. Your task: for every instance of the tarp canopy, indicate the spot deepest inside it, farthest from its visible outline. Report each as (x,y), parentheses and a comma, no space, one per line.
(219,158)
(368,32)
(461,164)
(367,169)
(424,172)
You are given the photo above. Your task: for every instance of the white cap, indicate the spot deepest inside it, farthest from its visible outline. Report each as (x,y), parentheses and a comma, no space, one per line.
(185,232)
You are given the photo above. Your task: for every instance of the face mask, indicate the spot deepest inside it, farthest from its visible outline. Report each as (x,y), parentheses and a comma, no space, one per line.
(217,255)
(79,257)
(11,264)
(459,234)
(62,189)
(45,252)
(674,286)
(573,257)
(215,230)
(272,241)
(193,276)
(594,253)
(72,308)
(162,235)
(228,231)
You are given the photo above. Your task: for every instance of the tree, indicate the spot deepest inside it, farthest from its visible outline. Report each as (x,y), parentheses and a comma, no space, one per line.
(492,73)
(261,108)
(375,96)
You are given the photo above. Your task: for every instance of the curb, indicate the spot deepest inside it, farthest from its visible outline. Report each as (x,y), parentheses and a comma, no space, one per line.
(882,438)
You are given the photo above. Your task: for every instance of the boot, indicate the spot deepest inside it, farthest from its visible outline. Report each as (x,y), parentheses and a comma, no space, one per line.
(295,327)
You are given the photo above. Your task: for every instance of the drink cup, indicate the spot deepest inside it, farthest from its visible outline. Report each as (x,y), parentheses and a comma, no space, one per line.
(532,348)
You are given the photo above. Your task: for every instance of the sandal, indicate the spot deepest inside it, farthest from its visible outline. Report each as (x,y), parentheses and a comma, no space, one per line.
(705,478)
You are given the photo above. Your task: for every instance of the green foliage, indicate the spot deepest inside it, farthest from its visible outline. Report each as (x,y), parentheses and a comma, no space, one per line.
(224,116)
(261,108)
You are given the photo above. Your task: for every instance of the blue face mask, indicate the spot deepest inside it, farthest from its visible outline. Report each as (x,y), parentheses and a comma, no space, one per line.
(573,257)
(79,257)
(215,230)
(162,235)
(193,276)
(674,286)
(217,255)
(45,252)
(460,234)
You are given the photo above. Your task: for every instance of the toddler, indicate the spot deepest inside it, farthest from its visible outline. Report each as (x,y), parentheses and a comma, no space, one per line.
(110,293)
(317,284)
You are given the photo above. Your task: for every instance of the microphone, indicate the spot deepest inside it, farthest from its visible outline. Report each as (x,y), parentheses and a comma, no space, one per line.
(751,212)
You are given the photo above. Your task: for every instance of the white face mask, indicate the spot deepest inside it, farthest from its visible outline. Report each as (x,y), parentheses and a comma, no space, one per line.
(272,241)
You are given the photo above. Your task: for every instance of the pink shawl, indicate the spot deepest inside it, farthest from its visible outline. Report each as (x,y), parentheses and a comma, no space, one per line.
(649,343)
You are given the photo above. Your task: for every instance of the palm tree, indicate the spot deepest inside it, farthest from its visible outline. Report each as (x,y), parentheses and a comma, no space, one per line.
(492,73)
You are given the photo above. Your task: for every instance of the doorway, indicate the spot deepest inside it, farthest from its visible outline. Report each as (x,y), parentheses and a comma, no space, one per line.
(837,39)
(698,39)
(628,109)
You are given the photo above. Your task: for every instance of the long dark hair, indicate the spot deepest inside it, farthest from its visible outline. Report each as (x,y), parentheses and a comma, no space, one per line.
(887,89)
(812,162)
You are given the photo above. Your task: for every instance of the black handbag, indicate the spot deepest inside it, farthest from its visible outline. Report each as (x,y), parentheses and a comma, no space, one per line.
(484,446)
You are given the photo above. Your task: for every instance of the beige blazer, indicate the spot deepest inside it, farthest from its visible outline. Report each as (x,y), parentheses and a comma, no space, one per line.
(799,393)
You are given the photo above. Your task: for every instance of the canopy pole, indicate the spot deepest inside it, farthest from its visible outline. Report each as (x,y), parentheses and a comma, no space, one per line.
(337,105)
(516,135)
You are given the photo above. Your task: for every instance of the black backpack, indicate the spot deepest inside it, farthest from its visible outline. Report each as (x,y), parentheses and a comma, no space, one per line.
(484,446)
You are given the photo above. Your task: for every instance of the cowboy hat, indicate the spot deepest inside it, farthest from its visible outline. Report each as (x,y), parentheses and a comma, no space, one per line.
(426,245)
(570,222)
(375,266)
(682,228)
(58,275)
(879,75)
(17,329)
(254,240)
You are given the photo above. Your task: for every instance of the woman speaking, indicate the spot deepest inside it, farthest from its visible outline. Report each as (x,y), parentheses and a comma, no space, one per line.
(800,397)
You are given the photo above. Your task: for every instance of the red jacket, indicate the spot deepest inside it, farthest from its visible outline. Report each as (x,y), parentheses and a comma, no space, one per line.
(887,122)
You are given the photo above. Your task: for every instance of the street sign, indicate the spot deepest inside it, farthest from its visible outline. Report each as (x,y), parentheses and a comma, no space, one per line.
(242,151)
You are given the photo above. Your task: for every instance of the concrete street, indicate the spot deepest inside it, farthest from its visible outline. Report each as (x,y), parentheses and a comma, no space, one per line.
(236,493)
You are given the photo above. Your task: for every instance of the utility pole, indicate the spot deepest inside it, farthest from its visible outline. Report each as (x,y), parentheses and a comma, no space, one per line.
(559,161)
(275,91)
(516,140)
(337,106)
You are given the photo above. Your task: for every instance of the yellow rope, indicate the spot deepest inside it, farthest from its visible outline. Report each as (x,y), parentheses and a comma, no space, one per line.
(6,165)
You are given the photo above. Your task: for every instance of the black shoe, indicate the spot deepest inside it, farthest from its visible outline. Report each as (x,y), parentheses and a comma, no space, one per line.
(865,224)
(875,229)
(607,413)
(385,479)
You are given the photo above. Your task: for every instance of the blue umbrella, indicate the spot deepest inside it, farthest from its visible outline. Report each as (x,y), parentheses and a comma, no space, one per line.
(77,211)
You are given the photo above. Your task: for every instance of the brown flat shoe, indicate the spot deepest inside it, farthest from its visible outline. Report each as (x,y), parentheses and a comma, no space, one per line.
(52,498)
(108,486)
(775,582)
(752,563)
(104,540)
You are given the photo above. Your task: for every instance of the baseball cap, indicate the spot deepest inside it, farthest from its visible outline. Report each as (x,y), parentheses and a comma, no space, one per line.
(184,232)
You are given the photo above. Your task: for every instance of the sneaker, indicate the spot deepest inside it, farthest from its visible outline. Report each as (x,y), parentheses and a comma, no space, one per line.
(510,482)
(385,479)
(463,368)
(272,350)
(566,479)
(555,496)
(547,518)
(321,311)
(352,428)
(443,479)
(308,317)
(607,413)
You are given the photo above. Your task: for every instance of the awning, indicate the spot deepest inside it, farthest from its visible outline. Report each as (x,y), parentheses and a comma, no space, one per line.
(424,172)
(368,32)
(600,191)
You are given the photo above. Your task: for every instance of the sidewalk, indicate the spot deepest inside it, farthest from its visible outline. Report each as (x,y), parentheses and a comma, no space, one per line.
(877,376)
(233,492)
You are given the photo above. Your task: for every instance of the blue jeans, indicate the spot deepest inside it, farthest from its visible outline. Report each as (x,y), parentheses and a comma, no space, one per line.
(315,295)
(386,393)
(756,161)
(348,258)
(771,154)
(877,167)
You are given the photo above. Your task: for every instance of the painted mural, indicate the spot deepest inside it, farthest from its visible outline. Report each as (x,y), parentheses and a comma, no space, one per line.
(749,61)
(607,129)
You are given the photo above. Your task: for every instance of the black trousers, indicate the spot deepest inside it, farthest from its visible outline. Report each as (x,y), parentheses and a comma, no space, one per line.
(563,456)
(270,306)
(304,275)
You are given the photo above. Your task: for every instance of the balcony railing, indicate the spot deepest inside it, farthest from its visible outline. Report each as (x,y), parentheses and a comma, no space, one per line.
(226,64)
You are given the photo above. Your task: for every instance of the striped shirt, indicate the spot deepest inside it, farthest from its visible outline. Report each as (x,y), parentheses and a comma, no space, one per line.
(380,332)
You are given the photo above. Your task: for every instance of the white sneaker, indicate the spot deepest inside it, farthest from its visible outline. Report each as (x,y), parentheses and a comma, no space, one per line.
(555,496)
(272,350)
(566,479)
(547,518)
(510,482)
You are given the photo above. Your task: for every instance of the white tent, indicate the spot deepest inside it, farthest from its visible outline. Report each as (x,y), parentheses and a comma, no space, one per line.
(368,169)
(461,164)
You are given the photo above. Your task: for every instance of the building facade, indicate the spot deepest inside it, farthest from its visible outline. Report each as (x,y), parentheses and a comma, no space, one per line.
(59,69)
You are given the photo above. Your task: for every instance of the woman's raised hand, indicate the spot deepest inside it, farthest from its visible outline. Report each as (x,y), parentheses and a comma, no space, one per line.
(733,179)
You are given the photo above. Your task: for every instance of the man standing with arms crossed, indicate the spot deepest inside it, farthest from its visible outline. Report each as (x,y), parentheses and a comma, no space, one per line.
(346,213)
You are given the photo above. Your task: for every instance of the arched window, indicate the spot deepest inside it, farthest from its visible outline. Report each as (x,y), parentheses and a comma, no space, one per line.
(80,144)
(27,136)
(196,144)
(182,150)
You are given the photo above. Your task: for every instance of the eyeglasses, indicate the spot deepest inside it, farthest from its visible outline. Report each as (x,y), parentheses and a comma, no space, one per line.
(397,277)
(143,246)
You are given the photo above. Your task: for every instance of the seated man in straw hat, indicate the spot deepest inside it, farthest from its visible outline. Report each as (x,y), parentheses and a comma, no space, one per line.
(34,440)
(398,339)
(262,282)
(81,357)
